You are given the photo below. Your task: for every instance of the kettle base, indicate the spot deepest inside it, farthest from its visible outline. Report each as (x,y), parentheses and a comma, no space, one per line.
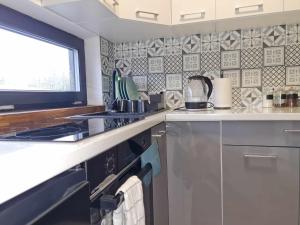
(196,105)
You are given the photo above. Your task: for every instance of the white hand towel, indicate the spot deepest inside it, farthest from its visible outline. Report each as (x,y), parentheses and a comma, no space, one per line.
(131,211)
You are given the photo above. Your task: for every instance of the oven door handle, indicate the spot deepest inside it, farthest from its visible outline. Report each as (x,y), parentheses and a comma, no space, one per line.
(106,183)
(147,168)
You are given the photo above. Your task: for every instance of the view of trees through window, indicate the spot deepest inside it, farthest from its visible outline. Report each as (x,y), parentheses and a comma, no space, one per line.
(30,64)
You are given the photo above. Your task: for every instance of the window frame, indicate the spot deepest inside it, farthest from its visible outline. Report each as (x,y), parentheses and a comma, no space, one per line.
(22,100)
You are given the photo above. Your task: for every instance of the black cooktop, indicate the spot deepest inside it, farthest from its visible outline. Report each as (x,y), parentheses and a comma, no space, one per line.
(75,130)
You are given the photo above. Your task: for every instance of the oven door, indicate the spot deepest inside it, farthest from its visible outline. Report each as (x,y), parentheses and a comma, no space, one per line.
(104,201)
(61,200)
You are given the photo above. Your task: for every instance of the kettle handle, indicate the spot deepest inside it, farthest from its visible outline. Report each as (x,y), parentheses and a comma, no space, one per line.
(210,86)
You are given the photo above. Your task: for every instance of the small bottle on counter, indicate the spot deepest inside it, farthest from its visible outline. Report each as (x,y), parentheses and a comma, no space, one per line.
(279,98)
(292,98)
(268,99)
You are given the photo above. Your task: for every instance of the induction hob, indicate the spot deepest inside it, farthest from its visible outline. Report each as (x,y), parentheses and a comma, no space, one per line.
(72,131)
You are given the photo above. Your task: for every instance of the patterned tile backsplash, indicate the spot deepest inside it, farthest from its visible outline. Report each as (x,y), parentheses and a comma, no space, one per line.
(255,59)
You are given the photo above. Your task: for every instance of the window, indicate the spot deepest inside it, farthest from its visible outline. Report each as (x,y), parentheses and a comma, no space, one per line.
(40,66)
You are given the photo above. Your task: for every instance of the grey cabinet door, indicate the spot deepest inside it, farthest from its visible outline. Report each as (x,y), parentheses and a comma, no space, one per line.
(194,173)
(160,182)
(260,185)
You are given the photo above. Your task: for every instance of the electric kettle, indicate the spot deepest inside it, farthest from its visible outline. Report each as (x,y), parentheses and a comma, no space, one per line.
(197,92)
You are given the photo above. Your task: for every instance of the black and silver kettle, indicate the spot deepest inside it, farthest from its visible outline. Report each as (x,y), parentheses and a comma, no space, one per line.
(197,92)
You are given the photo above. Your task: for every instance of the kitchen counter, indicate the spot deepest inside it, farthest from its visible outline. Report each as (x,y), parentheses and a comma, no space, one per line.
(244,114)
(24,165)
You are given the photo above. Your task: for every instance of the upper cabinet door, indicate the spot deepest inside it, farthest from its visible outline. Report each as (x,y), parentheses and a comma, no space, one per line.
(190,11)
(154,11)
(238,8)
(291,5)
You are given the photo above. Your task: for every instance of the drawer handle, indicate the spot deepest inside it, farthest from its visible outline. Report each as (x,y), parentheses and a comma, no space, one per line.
(260,156)
(139,14)
(192,16)
(160,134)
(291,131)
(249,8)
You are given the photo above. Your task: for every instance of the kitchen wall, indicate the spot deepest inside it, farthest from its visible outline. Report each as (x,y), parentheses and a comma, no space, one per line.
(107,66)
(256,59)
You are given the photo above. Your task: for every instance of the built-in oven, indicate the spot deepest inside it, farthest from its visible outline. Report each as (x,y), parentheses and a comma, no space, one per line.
(63,199)
(109,170)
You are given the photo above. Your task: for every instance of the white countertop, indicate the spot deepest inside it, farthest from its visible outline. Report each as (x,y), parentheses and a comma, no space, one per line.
(235,114)
(24,165)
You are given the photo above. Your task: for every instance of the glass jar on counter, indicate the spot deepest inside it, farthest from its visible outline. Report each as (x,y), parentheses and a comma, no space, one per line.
(279,98)
(268,97)
(292,98)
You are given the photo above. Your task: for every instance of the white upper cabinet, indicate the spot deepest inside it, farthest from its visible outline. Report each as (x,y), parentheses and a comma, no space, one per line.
(153,11)
(238,8)
(112,5)
(291,5)
(189,11)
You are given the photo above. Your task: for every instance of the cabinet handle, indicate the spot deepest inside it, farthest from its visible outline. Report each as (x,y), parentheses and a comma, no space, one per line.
(260,156)
(160,134)
(251,8)
(291,131)
(114,3)
(192,16)
(139,14)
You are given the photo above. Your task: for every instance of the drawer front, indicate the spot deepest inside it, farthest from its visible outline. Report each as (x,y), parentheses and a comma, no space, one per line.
(260,185)
(271,133)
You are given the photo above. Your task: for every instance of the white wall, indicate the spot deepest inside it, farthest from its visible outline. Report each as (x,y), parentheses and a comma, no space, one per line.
(93,71)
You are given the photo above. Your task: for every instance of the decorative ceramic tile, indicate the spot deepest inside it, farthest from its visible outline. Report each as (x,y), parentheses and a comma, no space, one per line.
(186,75)
(251,97)
(105,83)
(210,61)
(251,78)
(110,49)
(210,42)
(124,65)
(274,76)
(293,34)
(156,47)
(173,82)
(293,75)
(126,46)
(107,100)
(118,54)
(127,54)
(156,65)
(105,65)
(292,55)
(173,46)
(191,44)
(141,82)
(139,66)
(236,98)
(230,40)
(274,56)
(103,46)
(251,38)
(235,76)
(142,44)
(212,74)
(191,62)
(274,36)
(230,59)
(174,99)
(156,83)
(251,58)
(173,64)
